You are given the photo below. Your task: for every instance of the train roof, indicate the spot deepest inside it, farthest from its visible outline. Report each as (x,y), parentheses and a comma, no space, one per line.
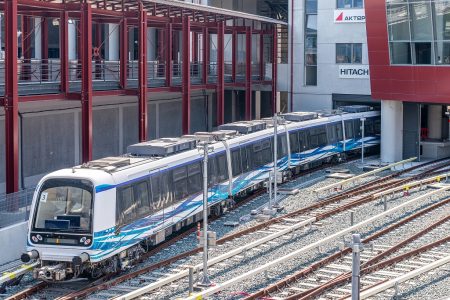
(159,149)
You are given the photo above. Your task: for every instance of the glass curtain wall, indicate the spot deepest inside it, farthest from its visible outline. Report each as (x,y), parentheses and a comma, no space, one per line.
(311,42)
(419,31)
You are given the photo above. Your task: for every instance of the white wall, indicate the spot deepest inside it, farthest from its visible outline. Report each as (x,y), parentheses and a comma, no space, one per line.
(391,131)
(14,239)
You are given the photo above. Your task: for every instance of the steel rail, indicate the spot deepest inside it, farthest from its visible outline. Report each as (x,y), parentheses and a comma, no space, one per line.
(314,267)
(220,286)
(373,172)
(365,187)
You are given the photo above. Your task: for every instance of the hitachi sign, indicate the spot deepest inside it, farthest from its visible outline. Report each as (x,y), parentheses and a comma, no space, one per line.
(354,71)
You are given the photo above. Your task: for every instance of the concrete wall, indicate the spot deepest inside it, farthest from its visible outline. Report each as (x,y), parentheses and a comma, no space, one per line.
(328,81)
(14,240)
(51,133)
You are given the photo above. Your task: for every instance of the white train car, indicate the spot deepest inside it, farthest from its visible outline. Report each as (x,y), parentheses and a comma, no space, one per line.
(98,217)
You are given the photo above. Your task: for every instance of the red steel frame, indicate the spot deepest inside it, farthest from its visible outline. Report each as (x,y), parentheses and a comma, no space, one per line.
(186,77)
(248,74)
(220,73)
(142,80)
(167,19)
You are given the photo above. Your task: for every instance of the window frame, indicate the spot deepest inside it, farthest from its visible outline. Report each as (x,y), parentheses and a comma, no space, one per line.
(352,5)
(352,54)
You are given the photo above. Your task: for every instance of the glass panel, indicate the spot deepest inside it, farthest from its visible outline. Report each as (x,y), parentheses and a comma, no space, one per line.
(311,24)
(295,145)
(127,206)
(311,76)
(195,178)
(398,22)
(357,54)
(442,20)
(236,159)
(141,198)
(401,53)
(64,205)
(421,22)
(343,53)
(311,6)
(423,53)
(442,53)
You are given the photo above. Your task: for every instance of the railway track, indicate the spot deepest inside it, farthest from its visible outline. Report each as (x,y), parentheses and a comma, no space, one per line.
(334,270)
(279,227)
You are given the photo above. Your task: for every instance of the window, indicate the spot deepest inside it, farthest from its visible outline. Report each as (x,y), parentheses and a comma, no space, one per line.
(347,53)
(180,183)
(141,197)
(64,204)
(350,4)
(310,39)
(236,162)
(293,140)
(126,206)
(195,183)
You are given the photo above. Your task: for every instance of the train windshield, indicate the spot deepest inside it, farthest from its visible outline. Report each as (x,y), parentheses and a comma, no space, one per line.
(64,205)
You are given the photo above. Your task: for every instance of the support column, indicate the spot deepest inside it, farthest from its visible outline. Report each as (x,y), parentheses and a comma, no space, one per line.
(64,50)
(169,54)
(435,122)
(142,78)
(392,128)
(86,81)
(220,73)
(234,50)
(123,53)
(186,76)
(11,101)
(261,58)
(195,47)
(113,42)
(44,49)
(27,31)
(97,52)
(206,49)
(275,107)
(248,74)
(257,105)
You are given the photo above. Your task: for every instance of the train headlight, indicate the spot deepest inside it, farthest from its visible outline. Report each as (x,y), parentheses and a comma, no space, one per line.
(87,242)
(39,237)
(34,239)
(82,240)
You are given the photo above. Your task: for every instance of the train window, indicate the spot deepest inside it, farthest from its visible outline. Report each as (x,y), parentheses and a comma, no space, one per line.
(331,131)
(180,183)
(369,127)
(222,168)
(339,131)
(357,127)
(377,126)
(126,207)
(194,178)
(303,141)
(318,137)
(282,145)
(349,133)
(236,162)
(141,198)
(166,188)
(257,155)
(157,199)
(267,154)
(295,145)
(212,171)
(247,158)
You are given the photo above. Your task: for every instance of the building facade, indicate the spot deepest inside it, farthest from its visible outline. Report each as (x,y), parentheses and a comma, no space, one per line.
(409,53)
(330,65)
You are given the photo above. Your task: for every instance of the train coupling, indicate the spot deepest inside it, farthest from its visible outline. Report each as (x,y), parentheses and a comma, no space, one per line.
(50,273)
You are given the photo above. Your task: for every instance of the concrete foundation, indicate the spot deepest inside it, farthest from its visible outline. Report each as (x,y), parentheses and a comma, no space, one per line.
(435,122)
(391,131)
(14,239)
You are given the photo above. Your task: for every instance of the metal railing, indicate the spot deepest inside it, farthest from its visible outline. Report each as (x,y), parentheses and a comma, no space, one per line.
(102,70)
(15,208)
(34,71)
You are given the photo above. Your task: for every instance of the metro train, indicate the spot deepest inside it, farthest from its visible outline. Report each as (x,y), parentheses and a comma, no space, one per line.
(101,216)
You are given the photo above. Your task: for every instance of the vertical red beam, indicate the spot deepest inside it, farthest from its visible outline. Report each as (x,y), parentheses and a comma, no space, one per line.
(248,73)
(274,68)
(98,58)
(64,50)
(142,78)
(161,55)
(220,89)
(86,81)
(169,54)
(44,49)
(123,53)
(234,51)
(186,76)
(195,47)
(11,101)
(261,57)
(205,54)
(26,47)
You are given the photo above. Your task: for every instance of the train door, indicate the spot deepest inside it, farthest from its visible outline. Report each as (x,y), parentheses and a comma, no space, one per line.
(411,133)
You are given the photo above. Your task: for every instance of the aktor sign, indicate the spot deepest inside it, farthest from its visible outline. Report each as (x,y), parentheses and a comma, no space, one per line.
(354,71)
(349,16)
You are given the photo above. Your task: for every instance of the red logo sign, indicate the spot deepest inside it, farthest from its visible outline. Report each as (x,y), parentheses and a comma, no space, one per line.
(340,17)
